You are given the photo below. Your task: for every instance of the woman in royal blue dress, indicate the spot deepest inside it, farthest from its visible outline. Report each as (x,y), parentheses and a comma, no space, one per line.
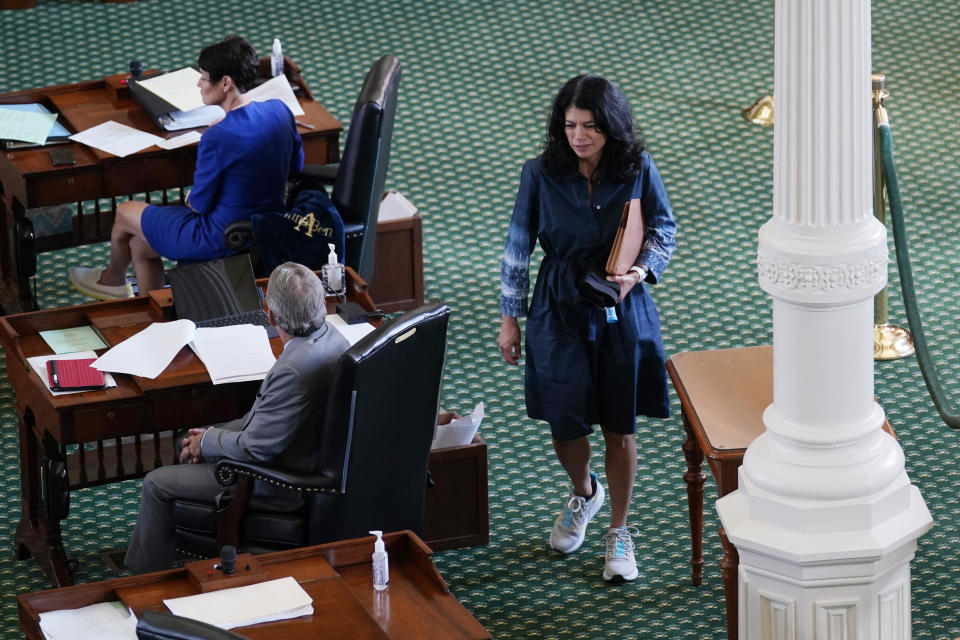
(580,370)
(243,163)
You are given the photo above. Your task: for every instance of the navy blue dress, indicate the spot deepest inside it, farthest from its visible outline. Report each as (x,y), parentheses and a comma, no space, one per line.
(581,371)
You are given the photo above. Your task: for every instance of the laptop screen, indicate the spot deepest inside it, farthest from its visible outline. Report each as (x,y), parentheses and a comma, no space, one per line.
(214,289)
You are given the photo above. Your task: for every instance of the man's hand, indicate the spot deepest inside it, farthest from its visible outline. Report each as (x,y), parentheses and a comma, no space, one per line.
(446,417)
(509,339)
(190,447)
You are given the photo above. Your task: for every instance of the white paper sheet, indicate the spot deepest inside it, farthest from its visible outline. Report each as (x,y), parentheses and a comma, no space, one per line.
(179,88)
(459,432)
(27,126)
(395,206)
(352,332)
(39,364)
(116,138)
(235,353)
(148,353)
(228,608)
(277,87)
(182,140)
(101,621)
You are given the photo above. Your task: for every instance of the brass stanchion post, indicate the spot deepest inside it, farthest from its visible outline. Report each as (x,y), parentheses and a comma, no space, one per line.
(889,341)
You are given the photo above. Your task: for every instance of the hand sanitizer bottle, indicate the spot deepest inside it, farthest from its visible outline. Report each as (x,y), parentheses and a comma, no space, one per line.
(381,567)
(276,58)
(332,272)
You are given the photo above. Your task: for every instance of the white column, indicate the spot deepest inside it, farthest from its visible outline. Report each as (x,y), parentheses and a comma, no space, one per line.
(825,519)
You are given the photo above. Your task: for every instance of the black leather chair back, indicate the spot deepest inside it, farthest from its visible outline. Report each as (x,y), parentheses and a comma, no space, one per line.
(380,423)
(363,167)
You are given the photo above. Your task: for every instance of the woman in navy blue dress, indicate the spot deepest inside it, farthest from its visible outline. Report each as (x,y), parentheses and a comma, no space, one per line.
(243,163)
(580,370)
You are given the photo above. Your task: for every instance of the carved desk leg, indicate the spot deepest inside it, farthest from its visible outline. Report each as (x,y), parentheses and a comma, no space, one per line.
(37,534)
(694,477)
(729,564)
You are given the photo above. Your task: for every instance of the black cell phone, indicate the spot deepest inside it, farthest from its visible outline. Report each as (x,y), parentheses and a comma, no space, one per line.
(61,157)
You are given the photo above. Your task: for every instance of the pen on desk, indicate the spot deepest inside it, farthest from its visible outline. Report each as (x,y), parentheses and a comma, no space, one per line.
(53,374)
(305,125)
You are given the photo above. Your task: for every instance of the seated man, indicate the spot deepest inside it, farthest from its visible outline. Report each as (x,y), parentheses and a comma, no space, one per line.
(281,427)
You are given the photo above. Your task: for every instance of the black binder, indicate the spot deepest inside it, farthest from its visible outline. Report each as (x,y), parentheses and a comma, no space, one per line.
(156,107)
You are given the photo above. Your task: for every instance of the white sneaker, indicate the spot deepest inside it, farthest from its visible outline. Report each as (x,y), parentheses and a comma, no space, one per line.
(86,279)
(571,525)
(619,563)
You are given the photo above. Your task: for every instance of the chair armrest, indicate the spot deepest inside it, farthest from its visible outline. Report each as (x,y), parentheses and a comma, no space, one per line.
(326,173)
(228,470)
(237,235)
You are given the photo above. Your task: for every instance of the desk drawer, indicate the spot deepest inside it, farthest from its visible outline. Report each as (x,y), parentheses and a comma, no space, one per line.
(151,173)
(103,423)
(65,187)
(199,407)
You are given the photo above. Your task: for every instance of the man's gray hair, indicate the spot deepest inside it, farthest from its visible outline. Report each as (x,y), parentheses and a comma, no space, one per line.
(295,297)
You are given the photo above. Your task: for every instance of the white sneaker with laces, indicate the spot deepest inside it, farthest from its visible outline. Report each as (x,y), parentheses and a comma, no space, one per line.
(619,563)
(571,525)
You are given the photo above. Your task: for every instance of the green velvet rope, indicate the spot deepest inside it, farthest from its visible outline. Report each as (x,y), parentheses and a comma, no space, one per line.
(945,407)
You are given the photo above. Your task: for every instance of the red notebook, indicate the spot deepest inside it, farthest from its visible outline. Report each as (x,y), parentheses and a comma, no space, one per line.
(74,375)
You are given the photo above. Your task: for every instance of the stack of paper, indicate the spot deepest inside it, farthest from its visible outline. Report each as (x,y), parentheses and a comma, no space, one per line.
(177,88)
(459,432)
(277,87)
(395,206)
(148,353)
(234,354)
(101,621)
(262,602)
(200,117)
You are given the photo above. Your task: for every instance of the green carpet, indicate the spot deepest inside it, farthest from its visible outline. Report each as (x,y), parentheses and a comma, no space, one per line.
(478,78)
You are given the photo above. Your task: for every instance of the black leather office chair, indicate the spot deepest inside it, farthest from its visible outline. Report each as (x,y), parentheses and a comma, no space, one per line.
(371,465)
(358,179)
(159,625)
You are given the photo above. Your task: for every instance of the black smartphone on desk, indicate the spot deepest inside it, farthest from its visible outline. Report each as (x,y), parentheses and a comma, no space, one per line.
(62,156)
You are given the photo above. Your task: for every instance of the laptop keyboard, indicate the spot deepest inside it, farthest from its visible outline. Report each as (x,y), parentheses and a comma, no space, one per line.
(258,316)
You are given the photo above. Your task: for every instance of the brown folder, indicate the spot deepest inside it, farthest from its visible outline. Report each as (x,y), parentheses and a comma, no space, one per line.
(628,241)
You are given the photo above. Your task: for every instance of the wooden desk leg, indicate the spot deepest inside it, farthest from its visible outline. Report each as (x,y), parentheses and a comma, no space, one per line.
(36,534)
(729,564)
(14,290)
(694,477)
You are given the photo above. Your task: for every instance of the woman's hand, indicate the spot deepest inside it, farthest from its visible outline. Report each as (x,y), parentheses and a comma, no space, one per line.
(509,339)
(626,281)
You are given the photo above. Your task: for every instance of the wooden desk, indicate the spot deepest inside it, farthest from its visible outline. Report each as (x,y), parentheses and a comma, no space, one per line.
(417,604)
(723,394)
(85,432)
(397,283)
(28,178)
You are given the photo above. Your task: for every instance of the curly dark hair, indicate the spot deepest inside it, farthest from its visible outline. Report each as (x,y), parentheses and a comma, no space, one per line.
(234,57)
(611,113)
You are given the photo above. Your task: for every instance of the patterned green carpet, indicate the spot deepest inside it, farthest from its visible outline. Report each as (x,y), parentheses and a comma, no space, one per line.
(478,77)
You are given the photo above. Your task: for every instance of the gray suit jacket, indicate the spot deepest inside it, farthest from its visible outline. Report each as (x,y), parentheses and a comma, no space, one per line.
(283,425)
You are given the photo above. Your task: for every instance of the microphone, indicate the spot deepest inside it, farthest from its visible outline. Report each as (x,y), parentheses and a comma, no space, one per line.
(228,559)
(136,69)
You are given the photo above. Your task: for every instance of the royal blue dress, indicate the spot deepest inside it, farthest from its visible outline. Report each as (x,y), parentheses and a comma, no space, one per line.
(581,371)
(243,163)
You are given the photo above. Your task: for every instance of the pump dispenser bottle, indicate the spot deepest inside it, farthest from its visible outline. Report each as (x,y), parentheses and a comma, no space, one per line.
(276,58)
(332,273)
(381,567)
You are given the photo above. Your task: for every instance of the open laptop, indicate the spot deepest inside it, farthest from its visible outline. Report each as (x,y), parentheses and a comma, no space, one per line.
(218,293)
